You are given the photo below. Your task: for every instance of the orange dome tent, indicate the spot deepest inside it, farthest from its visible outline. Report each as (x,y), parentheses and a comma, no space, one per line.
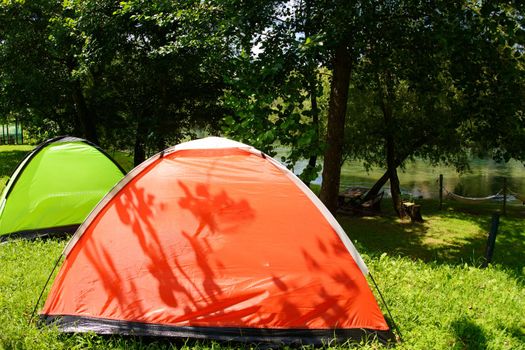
(213,239)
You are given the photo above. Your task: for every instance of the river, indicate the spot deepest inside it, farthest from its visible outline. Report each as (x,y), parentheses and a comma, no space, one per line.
(421,180)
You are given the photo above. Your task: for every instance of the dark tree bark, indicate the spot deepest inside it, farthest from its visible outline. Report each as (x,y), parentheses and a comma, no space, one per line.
(391,161)
(160,143)
(395,190)
(139,154)
(374,191)
(84,114)
(312,161)
(335,127)
(312,86)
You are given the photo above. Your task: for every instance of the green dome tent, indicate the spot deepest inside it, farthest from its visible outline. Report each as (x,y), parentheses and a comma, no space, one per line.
(55,187)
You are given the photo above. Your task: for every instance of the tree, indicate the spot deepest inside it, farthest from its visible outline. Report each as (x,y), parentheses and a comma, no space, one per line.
(106,70)
(420,94)
(403,42)
(273,88)
(296,40)
(39,63)
(168,83)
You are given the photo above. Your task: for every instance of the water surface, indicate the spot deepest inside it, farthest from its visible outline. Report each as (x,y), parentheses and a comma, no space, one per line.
(421,180)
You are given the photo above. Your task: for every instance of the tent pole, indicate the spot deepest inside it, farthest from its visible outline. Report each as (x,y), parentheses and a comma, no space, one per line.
(44,288)
(386,306)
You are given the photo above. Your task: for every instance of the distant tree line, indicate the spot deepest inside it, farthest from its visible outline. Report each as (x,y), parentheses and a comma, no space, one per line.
(377,81)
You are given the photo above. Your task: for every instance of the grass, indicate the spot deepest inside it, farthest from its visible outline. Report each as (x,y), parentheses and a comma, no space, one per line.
(429,274)
(11,156)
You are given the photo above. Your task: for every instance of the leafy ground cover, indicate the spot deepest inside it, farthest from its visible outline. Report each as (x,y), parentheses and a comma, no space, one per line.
(429,274)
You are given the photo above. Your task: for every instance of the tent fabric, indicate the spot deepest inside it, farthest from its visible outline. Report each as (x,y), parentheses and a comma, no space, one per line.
(213,239)
(55,187)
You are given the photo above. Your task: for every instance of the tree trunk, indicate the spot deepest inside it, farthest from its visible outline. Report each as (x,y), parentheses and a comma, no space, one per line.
(312,85)
(312,161)
(377,187)
(335,128)
(383,179)
(139,154)
(386,100)
(395,191)
(85,116)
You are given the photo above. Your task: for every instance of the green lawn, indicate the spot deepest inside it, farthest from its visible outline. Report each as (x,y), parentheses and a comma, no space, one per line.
(429,274)
(9,159)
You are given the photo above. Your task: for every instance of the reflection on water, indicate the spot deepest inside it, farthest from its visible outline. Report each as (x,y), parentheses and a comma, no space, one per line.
(420,180)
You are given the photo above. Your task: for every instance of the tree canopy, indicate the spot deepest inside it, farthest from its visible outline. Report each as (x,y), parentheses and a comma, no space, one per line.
(381,82)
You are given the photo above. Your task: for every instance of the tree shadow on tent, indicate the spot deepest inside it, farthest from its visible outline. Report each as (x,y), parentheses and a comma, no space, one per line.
(139,210)
(214,211)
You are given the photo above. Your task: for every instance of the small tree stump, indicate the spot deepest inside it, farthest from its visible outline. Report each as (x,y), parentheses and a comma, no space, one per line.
(413,210)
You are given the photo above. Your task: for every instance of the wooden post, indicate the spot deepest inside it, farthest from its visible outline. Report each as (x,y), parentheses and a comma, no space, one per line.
(489,252)
(440,191)
(504,196)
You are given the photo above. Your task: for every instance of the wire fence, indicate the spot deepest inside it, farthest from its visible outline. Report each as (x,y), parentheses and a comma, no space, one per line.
(11,134)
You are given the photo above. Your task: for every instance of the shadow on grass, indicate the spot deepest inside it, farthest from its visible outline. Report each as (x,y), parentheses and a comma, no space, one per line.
(446,237)
(10,160)
(469,334)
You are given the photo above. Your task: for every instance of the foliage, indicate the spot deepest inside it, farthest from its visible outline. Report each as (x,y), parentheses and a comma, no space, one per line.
(274,88)
(435,66)
(110,70)
(431,83)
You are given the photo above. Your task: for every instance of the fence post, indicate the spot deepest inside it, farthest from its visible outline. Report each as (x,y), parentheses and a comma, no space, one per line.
(16,130)
(440,191)
(504,196)
(491,241)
